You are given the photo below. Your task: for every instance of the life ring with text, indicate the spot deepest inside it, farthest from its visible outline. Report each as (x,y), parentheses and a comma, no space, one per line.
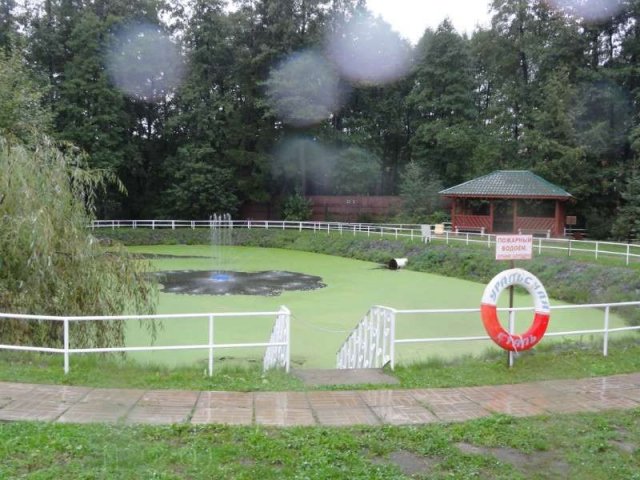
(489,311)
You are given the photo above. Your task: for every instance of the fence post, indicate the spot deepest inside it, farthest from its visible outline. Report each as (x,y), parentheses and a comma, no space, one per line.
(569,247)
(605,348)
(539,246)
(447,236)
(153,224)
(512,329)
(66,345)
(210,345)
(392,341)
(288,347)
(173,224)
(627,254)
(597,245)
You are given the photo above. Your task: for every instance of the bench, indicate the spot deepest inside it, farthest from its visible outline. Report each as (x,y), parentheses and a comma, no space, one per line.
(479,230)
(536,232)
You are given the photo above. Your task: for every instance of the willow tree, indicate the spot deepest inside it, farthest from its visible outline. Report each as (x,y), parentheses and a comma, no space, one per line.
(49,261)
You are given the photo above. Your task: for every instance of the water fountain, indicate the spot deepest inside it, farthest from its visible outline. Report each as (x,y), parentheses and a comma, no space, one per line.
(223,280)
(221,238)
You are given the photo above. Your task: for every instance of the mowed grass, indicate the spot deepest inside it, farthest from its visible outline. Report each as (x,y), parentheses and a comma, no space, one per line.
(322,319)
(588,446)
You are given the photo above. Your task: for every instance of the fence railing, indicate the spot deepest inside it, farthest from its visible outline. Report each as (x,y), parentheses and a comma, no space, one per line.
(594,248)
(277,348)
(370,345)
(367,348)
(278,354)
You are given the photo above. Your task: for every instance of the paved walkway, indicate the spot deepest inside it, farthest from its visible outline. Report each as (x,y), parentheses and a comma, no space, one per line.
(55,403)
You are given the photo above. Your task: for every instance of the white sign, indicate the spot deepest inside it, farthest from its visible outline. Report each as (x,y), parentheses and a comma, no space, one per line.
(514,247)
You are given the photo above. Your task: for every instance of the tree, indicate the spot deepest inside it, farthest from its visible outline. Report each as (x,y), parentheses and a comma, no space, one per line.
(90,112)
(199,187)
(420,198)
(8,25)
(627,223)
(50,262)
(442,100)
(356,172)
(22,115)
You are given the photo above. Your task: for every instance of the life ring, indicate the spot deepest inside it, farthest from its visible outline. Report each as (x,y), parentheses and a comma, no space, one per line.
(489,313)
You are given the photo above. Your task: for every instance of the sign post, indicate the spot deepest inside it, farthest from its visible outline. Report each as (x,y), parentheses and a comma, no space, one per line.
(512,248)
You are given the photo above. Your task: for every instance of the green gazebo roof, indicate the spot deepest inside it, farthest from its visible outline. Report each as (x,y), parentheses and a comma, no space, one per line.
(508,184)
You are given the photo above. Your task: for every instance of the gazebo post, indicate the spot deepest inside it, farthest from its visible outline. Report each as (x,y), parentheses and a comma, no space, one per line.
(453,213)
(514,229)
(491,215)
(559,219)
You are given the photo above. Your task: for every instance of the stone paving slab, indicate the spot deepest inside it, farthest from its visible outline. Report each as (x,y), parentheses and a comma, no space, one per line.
(285,417)
(223,415)
(341,417)
(225,399)
(404,415)
(28,402)
(102,405)
(159,414)
(389,398)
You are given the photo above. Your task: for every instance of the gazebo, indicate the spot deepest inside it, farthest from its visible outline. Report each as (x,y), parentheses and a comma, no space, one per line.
(508,201)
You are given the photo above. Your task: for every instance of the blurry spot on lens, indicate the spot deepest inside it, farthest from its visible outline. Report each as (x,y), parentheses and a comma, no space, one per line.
(143,62)
(304,89)
(367,51)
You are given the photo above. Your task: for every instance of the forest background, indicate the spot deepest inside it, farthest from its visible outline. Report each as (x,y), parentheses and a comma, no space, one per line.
(225,110)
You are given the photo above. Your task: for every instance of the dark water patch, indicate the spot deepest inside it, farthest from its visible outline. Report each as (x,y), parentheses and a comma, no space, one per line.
(549,462)
(409,463)
(206,282)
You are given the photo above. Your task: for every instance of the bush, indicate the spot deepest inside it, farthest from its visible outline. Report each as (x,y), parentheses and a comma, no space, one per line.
(296,208)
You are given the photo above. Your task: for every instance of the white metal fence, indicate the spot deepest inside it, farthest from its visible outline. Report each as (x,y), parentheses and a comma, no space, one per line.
(277,348)
(370,345)
(626,252)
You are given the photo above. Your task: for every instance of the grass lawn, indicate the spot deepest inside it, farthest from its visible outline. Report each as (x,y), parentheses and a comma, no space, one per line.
(589,446)
(323,318)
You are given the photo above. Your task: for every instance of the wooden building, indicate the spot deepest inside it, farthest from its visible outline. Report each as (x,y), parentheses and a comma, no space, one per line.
(508,201)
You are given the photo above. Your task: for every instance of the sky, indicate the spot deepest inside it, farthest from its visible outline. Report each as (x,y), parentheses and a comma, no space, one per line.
(410,18)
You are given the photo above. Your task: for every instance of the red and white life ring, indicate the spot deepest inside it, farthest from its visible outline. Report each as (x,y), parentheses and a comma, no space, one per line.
(489,313)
